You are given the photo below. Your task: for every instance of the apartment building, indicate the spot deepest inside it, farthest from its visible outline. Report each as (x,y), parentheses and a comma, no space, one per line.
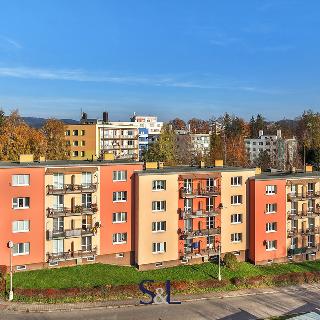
(282,151)
(184,214)
(93,138)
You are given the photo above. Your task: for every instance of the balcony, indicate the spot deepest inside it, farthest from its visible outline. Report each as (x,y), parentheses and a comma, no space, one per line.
(76,211)
(70,233)
(308,249)
(186,214)
(303,196)
(71,188)
(191,234)
(310,213)
(303,232)
(200,192)
(195,253)
(70,255)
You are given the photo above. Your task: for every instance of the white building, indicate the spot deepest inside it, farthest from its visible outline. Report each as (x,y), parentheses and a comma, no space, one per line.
(281,151)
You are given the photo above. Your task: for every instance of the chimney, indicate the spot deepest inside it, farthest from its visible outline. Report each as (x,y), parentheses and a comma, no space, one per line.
(278,133)
(105,117)
(260,133)
(308,168)
(201,165)
(218,163)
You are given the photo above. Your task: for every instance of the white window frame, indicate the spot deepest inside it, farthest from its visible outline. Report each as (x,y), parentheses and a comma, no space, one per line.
(162,206)
(236,181)
(159,185)
(57,246)
(119,217)
(236,237)
(271,245)
(159,226)
(86,179)
(19,226)
(159,247)
(16,200)
(120,238)
(119,175)
(268,208)
(271,190)
(20,180)
(236,218)
(120,196)
(24,245)
(271,227)
(238,197)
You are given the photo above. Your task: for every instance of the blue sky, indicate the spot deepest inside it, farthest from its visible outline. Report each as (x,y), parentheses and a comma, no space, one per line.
(172,58)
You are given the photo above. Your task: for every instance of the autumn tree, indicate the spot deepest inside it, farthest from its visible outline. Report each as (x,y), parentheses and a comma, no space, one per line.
(256,124)
(54,131)
(178,124)
(164,149)
(198,126)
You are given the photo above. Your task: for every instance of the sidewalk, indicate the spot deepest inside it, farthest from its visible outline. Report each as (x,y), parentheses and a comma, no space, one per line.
(6,306)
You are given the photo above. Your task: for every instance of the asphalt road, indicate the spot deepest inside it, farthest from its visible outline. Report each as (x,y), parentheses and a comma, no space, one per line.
(240,307)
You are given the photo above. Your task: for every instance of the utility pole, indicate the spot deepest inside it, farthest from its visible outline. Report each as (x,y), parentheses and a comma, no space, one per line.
(219,270)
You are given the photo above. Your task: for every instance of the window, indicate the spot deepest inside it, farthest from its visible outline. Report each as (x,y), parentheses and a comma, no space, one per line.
(20,249)
(58,224)
(21,267)
(20,180)
(158,185)
(158,226)
(236,218)
(271,245)
(310,187)
(83,132)
(83,143)
(236,237)
(75,143)
(236,199)
(58,180)
(159,247)
(210,222)
(210,204)
(120,175)
(271,207)
(158,206)
(67,133)
(271,190)
(119,217)
(68,143)
(210,183)
(119,238)
(86,179)
(188,205)
(86,243)
(82,154)
(120,196)
(236,181)
(20,226)
(187,185)
(271,227)
(75,153)
(21,203)
(57,246)
(87,200)
(75,133)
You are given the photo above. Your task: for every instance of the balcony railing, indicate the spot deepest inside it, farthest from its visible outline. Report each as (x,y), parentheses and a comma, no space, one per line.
(303,232)
(71,188)
(186,214)
(310,213)
(190,234)
(200,192)
(76,211)
(307,249)
(69,255)
(71,233)
(190,252)
(295,196)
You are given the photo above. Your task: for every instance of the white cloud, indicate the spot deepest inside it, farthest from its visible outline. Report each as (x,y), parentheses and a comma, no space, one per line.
(8,43)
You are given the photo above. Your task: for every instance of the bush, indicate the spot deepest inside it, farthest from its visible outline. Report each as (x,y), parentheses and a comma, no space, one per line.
(230,261)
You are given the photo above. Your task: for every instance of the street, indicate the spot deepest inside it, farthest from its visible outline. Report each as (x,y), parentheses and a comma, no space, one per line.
(264,305)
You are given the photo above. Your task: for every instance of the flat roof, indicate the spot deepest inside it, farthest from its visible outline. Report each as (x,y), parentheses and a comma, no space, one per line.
(70,163)
(188,169)
(286,175)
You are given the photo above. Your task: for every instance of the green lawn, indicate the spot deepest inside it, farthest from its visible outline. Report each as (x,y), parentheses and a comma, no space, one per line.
(101,274)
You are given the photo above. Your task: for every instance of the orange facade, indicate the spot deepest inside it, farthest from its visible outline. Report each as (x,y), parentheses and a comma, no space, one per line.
(267,220)
(24,214)
(199,215)
(108,186)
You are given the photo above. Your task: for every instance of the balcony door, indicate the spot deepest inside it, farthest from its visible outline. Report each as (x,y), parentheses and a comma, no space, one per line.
(188,205)
(86,200)
(86,243)
(58,203)
(188,224)
(86,179)
(211,183)
(210,205)
(58,224)
(57,246)
(87,222)
(210,222)
(187,185)
(58,180)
